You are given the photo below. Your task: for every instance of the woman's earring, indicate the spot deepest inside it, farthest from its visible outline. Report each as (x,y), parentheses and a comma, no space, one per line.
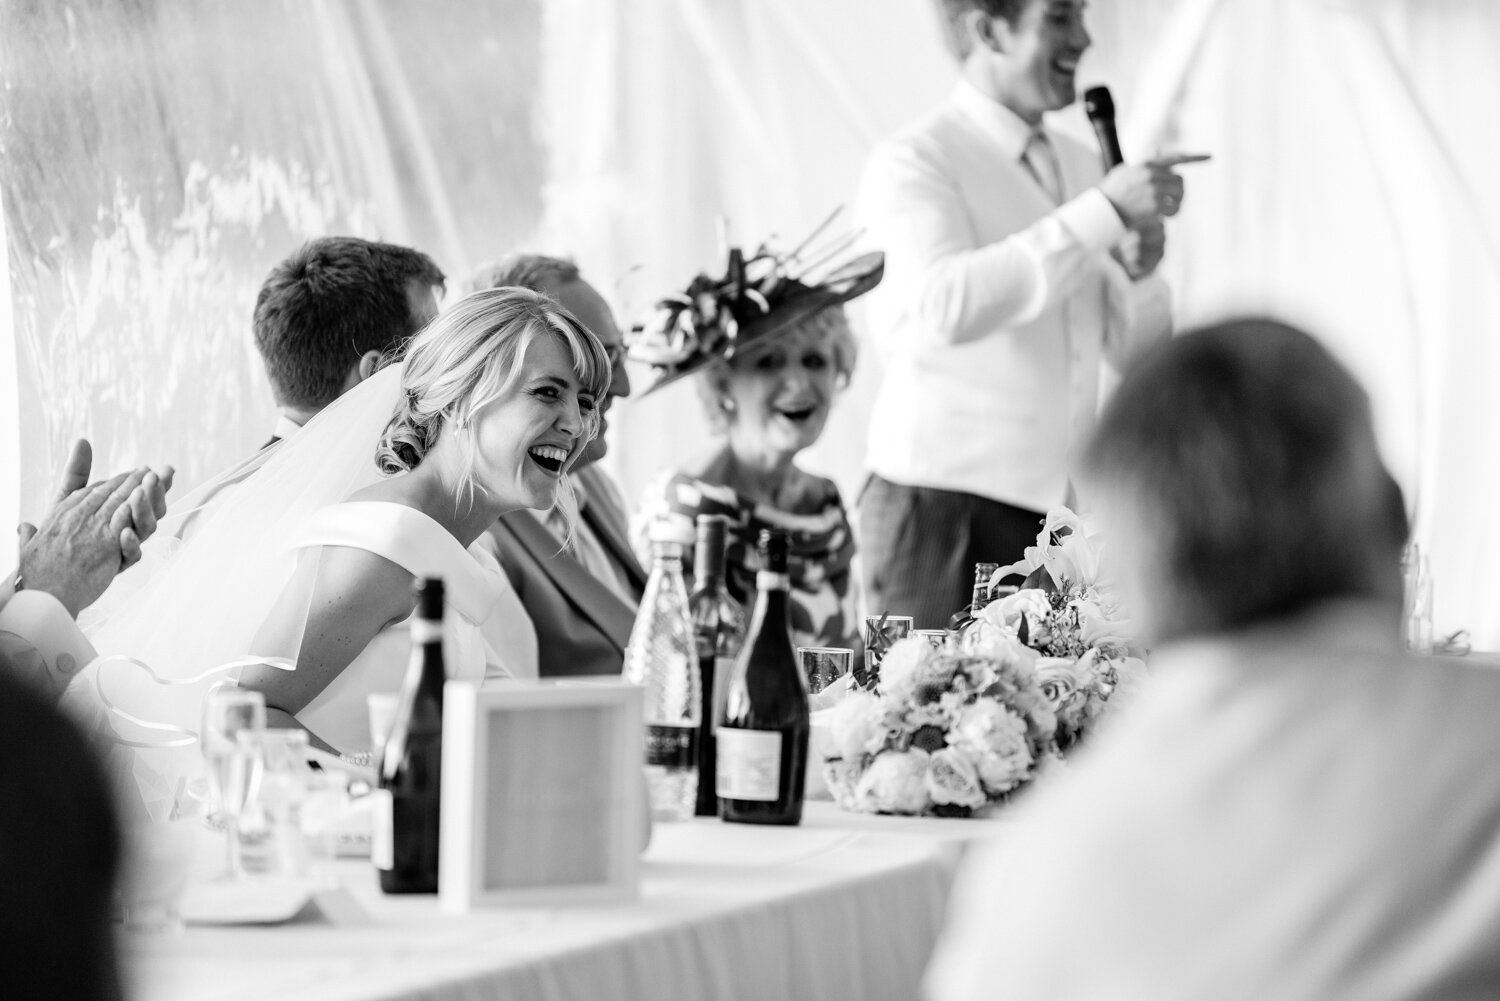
(727,405)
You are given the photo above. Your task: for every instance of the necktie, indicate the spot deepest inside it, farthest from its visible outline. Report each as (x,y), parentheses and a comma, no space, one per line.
(1040,159)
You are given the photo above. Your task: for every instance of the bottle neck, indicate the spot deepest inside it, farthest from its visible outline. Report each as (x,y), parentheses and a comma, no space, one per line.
(427,656)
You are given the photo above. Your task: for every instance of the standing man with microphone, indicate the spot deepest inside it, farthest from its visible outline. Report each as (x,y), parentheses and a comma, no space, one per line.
(1015,268)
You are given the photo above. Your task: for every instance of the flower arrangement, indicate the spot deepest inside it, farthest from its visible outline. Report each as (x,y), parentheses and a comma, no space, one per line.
(949,730)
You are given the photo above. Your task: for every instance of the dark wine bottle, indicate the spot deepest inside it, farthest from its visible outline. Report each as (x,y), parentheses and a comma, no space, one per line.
(404,843)
(763,727)
(719,629)
(978,599)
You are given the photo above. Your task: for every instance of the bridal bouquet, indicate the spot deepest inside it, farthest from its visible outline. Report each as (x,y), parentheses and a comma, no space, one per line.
(950,729)
(1074,625)
(945,731)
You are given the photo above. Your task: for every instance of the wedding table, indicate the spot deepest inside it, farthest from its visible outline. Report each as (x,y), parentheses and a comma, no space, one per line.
(844,906)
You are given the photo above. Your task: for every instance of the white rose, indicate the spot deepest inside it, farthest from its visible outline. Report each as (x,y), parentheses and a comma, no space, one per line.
(895,782)
(1059,680)
(899,667)
(976,722)
(952,779)
(856,727)
(1006,760)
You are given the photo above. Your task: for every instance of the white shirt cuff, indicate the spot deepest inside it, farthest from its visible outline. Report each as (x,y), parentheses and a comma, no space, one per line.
(40,621)
(1092,220)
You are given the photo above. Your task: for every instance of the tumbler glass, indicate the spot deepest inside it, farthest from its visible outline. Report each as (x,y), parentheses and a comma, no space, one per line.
(823,665)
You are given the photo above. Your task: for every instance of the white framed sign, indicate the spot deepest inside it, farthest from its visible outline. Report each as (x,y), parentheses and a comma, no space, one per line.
(542,793)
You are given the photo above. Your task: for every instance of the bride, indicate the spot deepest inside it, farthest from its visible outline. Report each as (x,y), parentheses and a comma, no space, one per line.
(308,558)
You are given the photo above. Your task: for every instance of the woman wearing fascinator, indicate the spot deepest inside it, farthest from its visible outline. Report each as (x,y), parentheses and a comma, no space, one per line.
(310,559)
(770,351)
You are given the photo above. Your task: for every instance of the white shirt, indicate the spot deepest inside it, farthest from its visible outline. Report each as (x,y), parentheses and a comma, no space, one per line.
(1299,813)
(997,305)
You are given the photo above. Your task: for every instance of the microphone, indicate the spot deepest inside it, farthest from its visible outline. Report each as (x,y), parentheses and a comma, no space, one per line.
(1100,107)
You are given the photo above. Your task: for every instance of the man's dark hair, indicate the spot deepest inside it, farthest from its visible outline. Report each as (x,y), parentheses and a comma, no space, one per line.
(528,271)
(1249,455)
(952,13)
(326,305)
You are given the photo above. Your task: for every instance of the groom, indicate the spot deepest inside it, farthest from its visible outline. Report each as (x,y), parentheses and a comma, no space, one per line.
(327,314)
(582,599)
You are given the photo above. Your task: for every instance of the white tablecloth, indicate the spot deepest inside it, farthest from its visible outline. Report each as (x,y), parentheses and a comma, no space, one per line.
(841,907)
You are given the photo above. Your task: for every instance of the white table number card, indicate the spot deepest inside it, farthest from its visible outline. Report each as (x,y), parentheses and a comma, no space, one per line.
(541,793)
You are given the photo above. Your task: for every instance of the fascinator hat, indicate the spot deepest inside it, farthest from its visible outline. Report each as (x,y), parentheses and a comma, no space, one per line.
(756,301)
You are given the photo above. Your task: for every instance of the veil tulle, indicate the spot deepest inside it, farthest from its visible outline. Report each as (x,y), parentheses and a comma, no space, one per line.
(190,611)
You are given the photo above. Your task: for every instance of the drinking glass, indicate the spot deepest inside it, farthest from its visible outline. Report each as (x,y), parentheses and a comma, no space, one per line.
(823,665)
(233,766)
(158,859)
(1416,580)
(880,632)
(276,833)
(936,637)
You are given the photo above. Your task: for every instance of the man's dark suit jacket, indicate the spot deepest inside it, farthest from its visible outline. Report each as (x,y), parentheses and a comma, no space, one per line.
(582,625)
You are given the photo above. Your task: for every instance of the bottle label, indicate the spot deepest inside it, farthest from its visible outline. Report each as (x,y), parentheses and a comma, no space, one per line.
(765,580)
(425,630)
(671,746)
(749,765)
(382,829)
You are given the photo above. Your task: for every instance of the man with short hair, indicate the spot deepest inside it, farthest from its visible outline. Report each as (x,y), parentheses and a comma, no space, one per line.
(1291,808)
(327,314)
(1012,270)
(581,596)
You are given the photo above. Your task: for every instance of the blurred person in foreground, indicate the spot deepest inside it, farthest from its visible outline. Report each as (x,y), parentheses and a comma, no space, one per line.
(326,316)
(1016,269)
(1293,808)
(581,588)
(771,352)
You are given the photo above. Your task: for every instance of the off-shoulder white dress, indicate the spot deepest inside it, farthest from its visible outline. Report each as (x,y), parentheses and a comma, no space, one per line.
(488,633)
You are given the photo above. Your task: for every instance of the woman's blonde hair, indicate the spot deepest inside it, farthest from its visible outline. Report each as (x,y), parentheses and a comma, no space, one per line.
(471,355)
(830,322)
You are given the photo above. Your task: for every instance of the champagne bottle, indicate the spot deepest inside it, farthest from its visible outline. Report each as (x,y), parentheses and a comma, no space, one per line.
(661,657)
(719,627)
(979,597)
(763,727)
(405,836)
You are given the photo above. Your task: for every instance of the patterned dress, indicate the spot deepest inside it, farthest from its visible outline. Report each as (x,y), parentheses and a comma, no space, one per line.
(824,587)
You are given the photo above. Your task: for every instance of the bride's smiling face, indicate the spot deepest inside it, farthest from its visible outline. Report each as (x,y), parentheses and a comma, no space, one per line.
(531,435)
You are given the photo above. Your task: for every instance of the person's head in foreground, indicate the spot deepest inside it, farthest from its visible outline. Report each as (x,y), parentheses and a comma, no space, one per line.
(325,316)
(1026,50)
(1236,476)
(498,399)
(560,279)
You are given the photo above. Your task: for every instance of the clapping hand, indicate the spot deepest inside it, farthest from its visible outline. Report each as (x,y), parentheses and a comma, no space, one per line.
(93,530)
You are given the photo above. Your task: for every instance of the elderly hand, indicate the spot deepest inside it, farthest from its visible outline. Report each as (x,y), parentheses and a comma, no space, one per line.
(1145,192)
(92,532)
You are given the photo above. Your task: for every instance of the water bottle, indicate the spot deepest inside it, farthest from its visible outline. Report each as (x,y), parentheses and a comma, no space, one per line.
(662,658)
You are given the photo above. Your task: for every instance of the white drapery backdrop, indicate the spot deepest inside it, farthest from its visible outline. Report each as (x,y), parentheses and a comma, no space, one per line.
(155,166)
(1347,192)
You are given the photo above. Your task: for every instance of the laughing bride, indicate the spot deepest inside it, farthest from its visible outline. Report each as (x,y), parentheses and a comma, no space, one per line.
(308,562)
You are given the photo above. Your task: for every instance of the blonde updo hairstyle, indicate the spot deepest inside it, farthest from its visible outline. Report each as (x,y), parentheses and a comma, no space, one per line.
(713,381)
(470,356)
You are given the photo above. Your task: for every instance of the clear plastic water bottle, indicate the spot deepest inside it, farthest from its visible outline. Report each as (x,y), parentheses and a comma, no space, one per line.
(662,657)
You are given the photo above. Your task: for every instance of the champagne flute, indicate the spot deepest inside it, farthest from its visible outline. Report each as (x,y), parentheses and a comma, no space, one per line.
(233,765)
